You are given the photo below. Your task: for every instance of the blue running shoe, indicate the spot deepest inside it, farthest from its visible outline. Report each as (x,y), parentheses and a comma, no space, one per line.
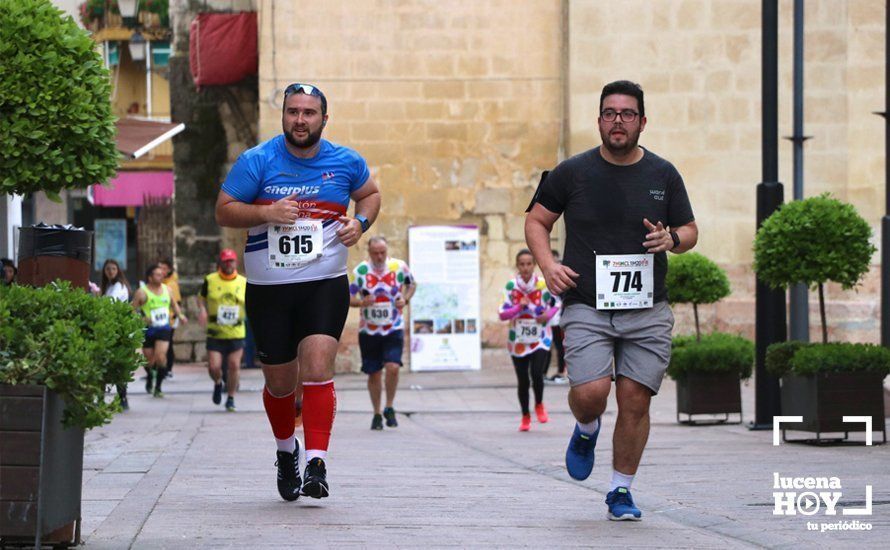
(621,506)
(579,455)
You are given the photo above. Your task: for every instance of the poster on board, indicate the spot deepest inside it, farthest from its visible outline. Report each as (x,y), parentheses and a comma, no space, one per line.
(111,242)
(445,325)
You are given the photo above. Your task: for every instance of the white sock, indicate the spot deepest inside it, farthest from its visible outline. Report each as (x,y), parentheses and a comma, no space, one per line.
(620,480)
(590,427)
(288,445)
(316,453)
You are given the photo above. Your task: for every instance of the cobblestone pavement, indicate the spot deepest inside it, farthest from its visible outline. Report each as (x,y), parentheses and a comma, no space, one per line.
(180,472)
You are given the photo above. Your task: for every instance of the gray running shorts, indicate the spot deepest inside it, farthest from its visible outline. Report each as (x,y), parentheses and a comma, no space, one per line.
(638,340)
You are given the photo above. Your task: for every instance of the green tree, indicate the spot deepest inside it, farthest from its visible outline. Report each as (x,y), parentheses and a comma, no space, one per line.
(813,241)
(56,126)
(694,279)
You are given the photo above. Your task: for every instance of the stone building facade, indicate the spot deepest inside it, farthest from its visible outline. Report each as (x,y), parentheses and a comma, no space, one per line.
(459,106)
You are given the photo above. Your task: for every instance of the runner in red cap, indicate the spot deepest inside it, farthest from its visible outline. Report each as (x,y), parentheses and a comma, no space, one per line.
(222,312)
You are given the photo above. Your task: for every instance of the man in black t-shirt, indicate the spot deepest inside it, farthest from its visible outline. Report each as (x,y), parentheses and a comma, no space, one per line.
(624,208)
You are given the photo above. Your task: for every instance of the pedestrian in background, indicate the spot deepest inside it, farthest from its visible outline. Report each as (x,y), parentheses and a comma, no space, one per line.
(115,286)
(9,272)
(171,279)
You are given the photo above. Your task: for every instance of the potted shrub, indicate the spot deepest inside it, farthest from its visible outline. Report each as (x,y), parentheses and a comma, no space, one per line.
(814,241)
(62,80)
(707,369)
(694,279)
(825,382)
(56,133)
(60,348)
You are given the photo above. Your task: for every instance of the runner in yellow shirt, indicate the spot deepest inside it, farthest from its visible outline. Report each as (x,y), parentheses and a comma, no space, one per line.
(222,312)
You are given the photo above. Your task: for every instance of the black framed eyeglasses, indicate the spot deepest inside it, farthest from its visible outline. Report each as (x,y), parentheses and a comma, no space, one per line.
(308,89)
(627,115)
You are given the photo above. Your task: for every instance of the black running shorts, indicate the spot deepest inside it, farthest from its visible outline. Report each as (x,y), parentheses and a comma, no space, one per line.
(282,315)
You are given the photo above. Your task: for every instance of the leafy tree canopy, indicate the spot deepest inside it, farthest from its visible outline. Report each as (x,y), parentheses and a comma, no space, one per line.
(56,126)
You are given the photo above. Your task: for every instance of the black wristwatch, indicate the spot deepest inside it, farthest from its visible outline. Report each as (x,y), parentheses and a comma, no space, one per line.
(676,239)
(364,221)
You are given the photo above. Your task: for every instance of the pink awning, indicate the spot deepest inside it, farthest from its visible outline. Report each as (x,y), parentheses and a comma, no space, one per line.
(131,188)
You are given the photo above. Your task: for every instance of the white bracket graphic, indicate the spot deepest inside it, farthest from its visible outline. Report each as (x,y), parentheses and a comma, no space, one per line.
(861,511)
(778,420)
(867,421)
(777,423)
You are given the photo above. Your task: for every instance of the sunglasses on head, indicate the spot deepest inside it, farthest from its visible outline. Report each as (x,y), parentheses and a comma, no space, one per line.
(307,89)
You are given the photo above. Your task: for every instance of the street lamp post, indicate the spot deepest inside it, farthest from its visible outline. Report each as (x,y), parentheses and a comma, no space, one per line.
(800,307)
(769,321)
(885,221)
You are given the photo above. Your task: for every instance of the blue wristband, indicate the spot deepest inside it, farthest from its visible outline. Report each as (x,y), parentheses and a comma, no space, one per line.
(364,221)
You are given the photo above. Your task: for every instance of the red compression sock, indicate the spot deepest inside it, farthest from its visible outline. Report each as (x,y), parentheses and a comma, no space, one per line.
(319,408)
(280,411)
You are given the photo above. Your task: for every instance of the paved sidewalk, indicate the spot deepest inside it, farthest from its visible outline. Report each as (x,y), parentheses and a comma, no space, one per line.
(180,472)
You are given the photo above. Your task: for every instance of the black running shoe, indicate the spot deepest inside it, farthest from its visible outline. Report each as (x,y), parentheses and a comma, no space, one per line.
(230,404)
(377,422)
(390,414)
(149,380)
(289,480)
(217,393)
(316,485)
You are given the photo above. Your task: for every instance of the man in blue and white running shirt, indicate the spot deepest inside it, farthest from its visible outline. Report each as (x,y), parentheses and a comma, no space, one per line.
(292,193)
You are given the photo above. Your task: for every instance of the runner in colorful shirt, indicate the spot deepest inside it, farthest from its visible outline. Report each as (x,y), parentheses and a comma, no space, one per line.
(381,286)
(529,307)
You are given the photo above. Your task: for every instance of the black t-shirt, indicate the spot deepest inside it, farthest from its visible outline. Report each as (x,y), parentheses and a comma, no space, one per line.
(604,205)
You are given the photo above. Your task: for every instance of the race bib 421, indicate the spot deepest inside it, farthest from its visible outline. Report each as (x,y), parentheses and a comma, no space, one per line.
(228,315)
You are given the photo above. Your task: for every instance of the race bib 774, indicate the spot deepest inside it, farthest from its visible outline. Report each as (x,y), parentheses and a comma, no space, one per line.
(624,281)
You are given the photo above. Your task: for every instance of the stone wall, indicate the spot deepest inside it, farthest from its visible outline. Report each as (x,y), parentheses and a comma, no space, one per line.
(699,64)
(455,105)
(221,123)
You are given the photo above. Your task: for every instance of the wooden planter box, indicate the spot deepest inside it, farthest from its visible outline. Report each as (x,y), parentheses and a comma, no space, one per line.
(41,465)
(709,393)
(824,399)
